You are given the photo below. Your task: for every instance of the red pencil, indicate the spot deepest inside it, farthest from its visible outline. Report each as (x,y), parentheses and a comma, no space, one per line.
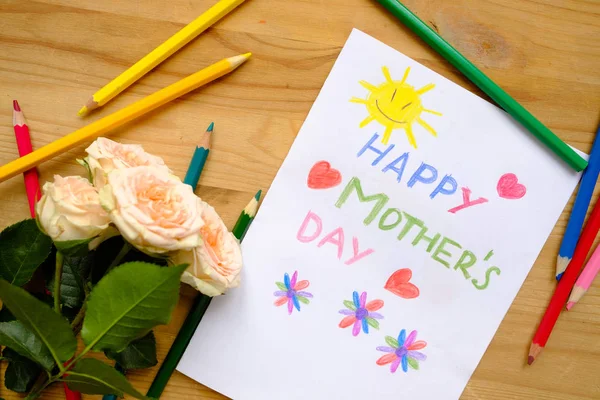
(561,293)
(32,184)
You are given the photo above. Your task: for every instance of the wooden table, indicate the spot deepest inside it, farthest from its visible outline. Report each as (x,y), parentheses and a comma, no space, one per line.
(55,53)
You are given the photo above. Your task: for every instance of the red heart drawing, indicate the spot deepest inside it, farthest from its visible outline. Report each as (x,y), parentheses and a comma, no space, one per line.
(398,283)
(509,187)
(322,176)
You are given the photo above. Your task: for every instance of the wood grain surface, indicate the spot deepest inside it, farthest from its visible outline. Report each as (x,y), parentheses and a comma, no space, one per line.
(55,53)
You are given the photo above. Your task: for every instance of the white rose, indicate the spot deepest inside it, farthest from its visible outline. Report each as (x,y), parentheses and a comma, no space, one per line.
(70,210)
(215,265)
(105,155)
(152,209)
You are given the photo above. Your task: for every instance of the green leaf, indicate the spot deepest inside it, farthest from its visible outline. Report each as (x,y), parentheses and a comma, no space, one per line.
(92,376)
(6,315)
(128,302)
(16,336)
(73,247)
(414,364)
(141,353)
(21,373)
(373,322)
(392,342)
(350,305)
(281,286)
(23,248)
(54,331)
(303,300)
(76,271)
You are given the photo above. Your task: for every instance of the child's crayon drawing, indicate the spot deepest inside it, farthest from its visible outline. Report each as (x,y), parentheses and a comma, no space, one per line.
(509,187)
(402,351)
(396,105)
(361,314)
(398,283)
(291,292)
(322,176)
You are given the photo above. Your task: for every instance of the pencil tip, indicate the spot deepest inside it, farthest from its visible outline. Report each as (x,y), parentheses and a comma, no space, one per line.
(16,106)
(570,305)
(210,127)
(247,55)
(530,360)
(559,276)
(257,195)
(83,111)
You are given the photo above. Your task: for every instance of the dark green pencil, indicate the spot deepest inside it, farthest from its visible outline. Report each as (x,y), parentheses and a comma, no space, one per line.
(196,313)
(199,158)
(503,99)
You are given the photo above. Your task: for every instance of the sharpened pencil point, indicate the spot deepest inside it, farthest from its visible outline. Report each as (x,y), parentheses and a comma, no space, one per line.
(559,276)
(570,305)
(210,127)
(530,360)
(16,106)
(83,111)
(257,195)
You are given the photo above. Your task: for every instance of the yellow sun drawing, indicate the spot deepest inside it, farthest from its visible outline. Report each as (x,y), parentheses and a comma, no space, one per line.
(396,105)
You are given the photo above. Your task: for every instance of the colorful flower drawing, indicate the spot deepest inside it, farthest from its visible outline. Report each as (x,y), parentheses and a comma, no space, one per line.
(291,292)
(361,314)
(402,351)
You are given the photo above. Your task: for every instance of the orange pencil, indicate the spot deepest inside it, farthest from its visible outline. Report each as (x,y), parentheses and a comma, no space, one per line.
(32,184)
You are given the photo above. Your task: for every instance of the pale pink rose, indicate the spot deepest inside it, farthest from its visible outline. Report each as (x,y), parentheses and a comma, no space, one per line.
(105,155)
(153,210)
(70,210)
(215,265)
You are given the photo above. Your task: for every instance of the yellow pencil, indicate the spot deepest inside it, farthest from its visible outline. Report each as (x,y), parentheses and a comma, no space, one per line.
(159,54)
(123,116)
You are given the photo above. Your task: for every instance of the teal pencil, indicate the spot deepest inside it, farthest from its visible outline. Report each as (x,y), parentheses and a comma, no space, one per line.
(199,158)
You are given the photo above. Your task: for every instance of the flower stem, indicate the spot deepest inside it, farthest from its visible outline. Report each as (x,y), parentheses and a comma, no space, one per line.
(57,278)
(78,318)
(122,253)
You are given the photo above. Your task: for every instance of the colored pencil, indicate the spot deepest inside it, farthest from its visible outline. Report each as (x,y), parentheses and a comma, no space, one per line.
(241,226)
(586,278)
(565,285)
(580,207)
(199,158)
(32,187)
(159,54)
(476,76)
(32,184)
(123,116)
(196,313)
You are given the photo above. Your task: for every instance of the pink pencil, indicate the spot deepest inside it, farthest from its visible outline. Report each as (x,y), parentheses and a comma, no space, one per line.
(585,279)
(32,184)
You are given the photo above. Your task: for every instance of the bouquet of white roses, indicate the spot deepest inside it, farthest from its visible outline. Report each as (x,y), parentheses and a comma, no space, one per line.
(104,258)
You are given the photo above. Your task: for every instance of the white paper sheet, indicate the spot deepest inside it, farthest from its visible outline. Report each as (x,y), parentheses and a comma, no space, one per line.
(484,191)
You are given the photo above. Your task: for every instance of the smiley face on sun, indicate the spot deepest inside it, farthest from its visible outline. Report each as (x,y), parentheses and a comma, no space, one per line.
(396,105)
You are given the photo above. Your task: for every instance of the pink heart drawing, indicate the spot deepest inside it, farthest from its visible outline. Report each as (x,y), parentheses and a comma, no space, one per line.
(398,283)
(322,176)
(509,187)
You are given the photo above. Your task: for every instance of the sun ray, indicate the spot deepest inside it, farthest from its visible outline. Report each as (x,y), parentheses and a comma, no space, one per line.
(426,88)
(427,126)
(410,136)
(359,101)
(439,114)
(386,73)
(405,75)
(368,86)
(387,134)
(367,121)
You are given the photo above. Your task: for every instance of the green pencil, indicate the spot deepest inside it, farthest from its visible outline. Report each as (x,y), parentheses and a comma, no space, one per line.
(502,98)
(199,158)
(196,313)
